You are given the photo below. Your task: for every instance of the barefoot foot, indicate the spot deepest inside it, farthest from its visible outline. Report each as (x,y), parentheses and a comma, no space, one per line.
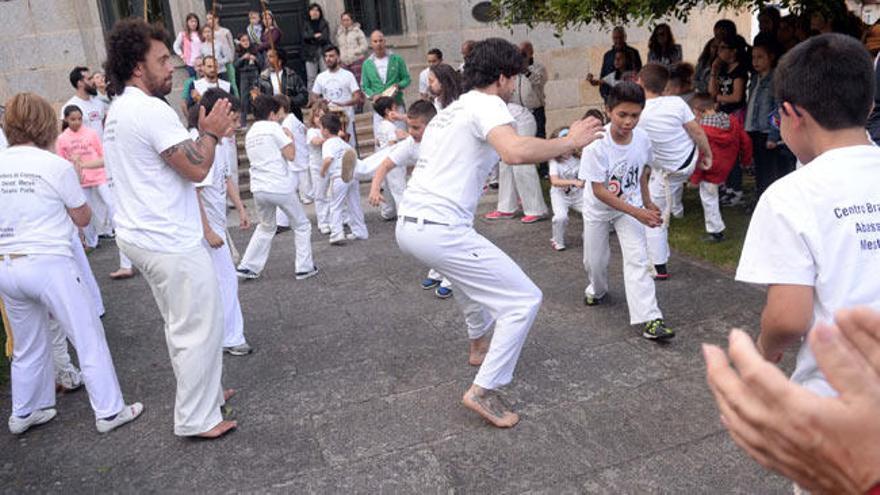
(489,405)
(221,429)
(478,349)
(122,273)
(228,393)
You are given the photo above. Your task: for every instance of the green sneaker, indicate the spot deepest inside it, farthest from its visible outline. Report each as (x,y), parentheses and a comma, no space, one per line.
(593,300)
(657,330)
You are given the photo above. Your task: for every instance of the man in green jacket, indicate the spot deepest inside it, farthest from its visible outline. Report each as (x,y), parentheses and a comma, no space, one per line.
(382,71)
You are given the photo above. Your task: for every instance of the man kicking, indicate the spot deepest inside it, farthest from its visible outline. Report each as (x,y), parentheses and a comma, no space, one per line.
(435,224)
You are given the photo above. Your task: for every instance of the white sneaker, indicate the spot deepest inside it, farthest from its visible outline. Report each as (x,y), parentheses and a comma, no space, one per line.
(338,238)
(324,229)
(69,379)
(20,425)
(128,414)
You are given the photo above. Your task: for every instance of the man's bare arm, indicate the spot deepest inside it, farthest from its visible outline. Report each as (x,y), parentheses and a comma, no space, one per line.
(192,159)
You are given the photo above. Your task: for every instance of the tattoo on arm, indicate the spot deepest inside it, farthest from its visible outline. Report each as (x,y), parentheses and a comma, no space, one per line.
(190,149)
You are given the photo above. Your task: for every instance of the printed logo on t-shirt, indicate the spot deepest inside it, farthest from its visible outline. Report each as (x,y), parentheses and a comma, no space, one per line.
(623,180)
(867,223)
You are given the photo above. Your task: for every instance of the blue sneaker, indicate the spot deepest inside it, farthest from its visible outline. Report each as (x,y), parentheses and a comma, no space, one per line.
(430,283)
(443,292)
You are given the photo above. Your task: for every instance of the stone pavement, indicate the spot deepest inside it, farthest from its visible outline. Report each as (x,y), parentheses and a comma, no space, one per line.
(357,376)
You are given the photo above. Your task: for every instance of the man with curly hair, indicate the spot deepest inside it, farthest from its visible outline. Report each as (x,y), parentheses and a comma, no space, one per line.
(156,165)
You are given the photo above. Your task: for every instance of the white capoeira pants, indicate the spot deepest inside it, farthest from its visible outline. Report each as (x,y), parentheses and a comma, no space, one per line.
(321,196)
(346,196)
(640,296)
(562,202)
(258,248)
(32,287)
(306,193)
(95,195)
(490,288)
(227,280)
(435,275)
(711,207)
(522,181)
(395,185)
(184,286)
(60,354)
(664,187)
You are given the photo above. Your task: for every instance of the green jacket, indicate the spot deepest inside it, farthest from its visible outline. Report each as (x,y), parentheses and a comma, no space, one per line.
(372,84)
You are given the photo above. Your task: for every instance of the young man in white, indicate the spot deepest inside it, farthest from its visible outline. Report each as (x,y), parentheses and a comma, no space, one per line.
(339,160)
(520,181)
(93,108)
(212,194)
(155,165)
(339,87)
(679,143)
(458,150)
(211,78)
(296,130)
(273,183)
(813,238)
(39,278)
(615,174)
(434,57)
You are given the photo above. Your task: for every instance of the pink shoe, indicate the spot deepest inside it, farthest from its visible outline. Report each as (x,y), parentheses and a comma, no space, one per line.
(531,218)
(497,215)
(556,246)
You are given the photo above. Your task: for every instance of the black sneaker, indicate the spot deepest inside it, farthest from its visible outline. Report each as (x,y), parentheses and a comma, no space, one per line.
(661,274)
(657,330)
(593,300)
(309,274)
(713,237)
(280,230)
(246,274)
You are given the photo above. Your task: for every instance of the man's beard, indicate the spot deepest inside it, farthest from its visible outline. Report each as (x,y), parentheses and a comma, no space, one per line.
(91,90)
(332,67)
(158,86)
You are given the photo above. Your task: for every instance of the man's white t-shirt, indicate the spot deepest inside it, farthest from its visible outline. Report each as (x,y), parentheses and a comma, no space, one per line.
(820,227)
(336,87)
(334,148)
(385,133)
(618,167)
(566,169)
(156,208)
(300,162)
(423,81)
(94,110)
(315,161)
(405,153)
(36,188)
(455,160)
(213,188)
(203,85)
(663,119)
(270,172)
(381,67)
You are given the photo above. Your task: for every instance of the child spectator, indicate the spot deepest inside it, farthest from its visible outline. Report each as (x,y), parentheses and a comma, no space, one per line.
(273,184)
(730,144)
(314,140)
(248,68)
(339,159)
(727,84)
(254,28)
(621,66)
(212,193)
(812,238)
(566,191)
(614,169)
(188,45)
(759,111)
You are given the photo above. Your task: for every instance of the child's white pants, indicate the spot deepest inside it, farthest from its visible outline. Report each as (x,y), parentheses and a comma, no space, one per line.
(320,195)
(33,287)
(346,196)
(258,248)
(395,185)
(490,287)
(664,187)
(711,208)
(561,202)
(227,280)
(520,180)
(100,200)
(640,296)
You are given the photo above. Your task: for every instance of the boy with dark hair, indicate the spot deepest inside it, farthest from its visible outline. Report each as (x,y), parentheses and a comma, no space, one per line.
(338,167)
(678,143)
(273,184)
(730,144)
(615,176)
(813,235)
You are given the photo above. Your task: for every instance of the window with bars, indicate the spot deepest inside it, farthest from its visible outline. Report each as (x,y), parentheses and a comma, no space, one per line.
(157,11)
(384,15)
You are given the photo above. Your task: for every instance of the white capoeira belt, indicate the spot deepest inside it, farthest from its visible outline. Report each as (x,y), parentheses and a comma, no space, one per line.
(422,221)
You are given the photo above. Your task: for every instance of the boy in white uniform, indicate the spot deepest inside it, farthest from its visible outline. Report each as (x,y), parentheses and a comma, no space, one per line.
(39,277)
(566,192)
(212,203)
(458,150)
(294,128)
(387,134)
(813,237)
(678,143)
(273,183)
(616,175)
(338,167)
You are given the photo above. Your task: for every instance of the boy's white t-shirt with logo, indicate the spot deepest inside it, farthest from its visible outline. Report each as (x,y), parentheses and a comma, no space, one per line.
(270,172)
(314,151)
(663,119)
(300,162)
(156,208)
(455,159)
(566,169)
(94,110)
(334,148)
(820,227)
(618,167)
(385,132)
(213,188)
(36,189)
